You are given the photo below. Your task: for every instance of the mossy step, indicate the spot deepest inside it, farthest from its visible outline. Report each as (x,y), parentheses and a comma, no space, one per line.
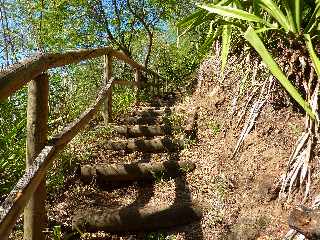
(131,219)
(165,144)
(143,130)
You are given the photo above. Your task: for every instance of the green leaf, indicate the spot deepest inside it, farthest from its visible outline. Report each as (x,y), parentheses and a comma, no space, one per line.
(194,22)
(272,8)
(297,13)
(289,7)
(226,41)
(191,18)
(224,2)
(212,35)
(314,58)
(251,36)
(227,11)
(314,20)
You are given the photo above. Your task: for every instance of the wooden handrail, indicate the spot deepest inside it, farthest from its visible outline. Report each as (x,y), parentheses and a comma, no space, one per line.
(19,196)
(33,69)
(17,75)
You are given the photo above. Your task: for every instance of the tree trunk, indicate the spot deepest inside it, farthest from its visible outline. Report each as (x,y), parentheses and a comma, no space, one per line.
(146,60)
(135,172)
(134,219)
(35,218)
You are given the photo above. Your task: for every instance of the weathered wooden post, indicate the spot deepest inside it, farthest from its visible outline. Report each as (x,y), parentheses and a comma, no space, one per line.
(137,80)
(35,217)
(107,74)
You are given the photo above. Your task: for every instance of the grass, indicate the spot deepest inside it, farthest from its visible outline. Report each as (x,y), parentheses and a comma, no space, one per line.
(215,127)
(158,175)
(296,130)
(188,142)
(221,186)
(176,122)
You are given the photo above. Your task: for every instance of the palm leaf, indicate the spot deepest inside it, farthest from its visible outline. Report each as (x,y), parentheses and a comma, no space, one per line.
(251,36)
(289,7)
(226,41)
(212,35)
(227,11)
(314,58)
(272,8)
(223,2)
(314,20)
(190,19)
(297,12)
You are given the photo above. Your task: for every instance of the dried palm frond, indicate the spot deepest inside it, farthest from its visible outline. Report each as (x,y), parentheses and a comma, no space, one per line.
(298,172)
(254,113)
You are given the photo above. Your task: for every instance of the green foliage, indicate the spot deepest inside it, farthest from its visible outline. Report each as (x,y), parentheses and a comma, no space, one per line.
(12,141)
(221,186)
(259,17)
(73,88)
(314,58)
(60,25)
(215,127)
(123,99)
(188,142)
(175,63)
(175,121)
(226,42)
(258,45)
(159,236)
(158,175)
(57,235)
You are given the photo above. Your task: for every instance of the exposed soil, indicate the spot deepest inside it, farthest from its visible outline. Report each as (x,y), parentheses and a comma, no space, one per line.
(238,195)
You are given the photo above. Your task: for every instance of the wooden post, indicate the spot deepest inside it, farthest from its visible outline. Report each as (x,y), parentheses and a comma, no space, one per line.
(35,218)
(107,108)
(137,79)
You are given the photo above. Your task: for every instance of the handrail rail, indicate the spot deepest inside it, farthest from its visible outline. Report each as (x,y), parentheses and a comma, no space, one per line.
(17,75)
(19,196)
(41,151)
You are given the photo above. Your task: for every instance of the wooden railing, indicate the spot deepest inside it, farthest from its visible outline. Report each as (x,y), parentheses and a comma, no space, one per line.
(29,194)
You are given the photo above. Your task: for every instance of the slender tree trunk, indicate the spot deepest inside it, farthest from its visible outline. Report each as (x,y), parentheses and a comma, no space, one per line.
(147,58)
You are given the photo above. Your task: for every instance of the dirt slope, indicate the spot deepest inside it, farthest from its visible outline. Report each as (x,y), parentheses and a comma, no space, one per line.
(239,193)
